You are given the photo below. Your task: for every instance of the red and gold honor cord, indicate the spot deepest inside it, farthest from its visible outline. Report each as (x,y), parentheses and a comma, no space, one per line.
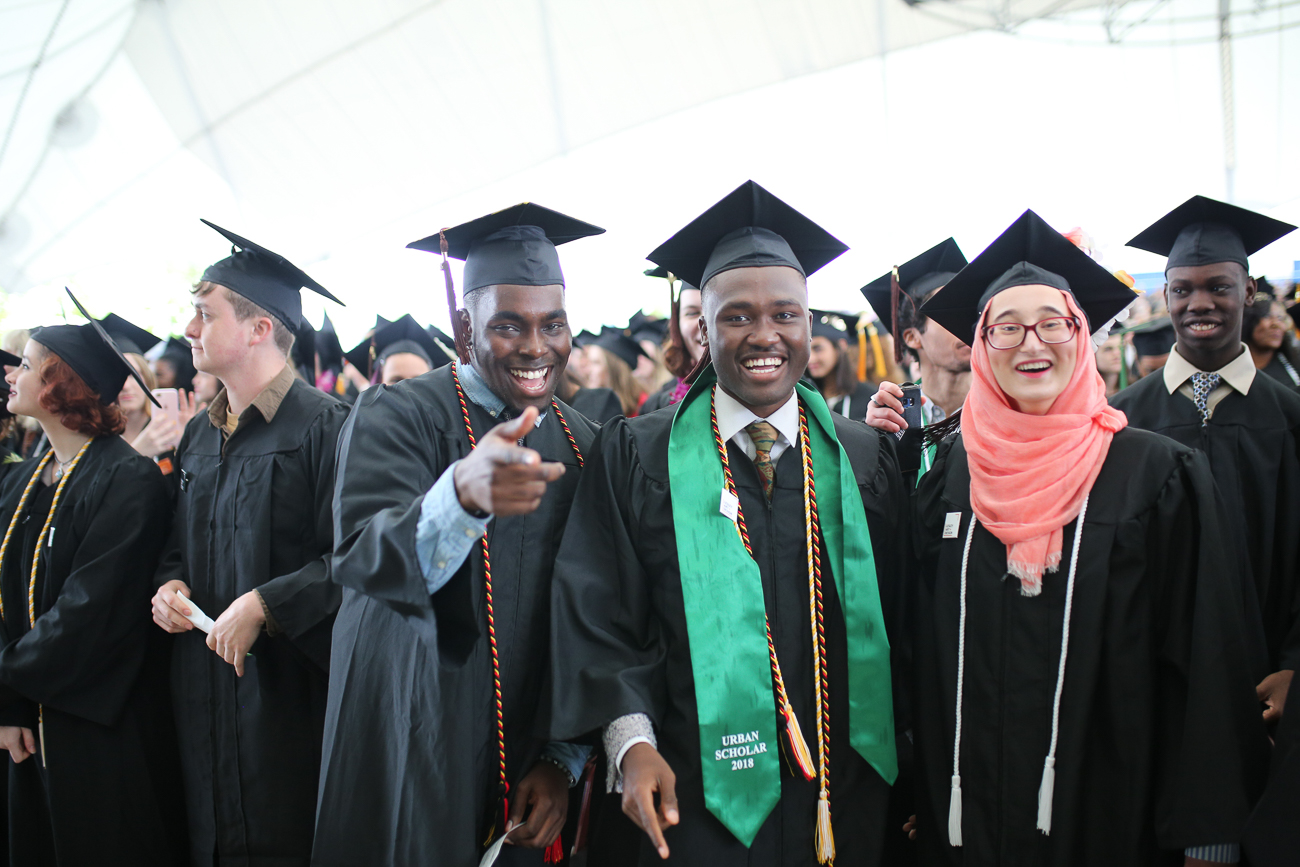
(553,853)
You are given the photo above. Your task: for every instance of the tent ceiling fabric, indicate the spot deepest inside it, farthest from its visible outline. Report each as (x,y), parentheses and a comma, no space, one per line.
(314,106)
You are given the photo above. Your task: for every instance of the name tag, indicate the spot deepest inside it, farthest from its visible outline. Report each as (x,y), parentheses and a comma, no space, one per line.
(951,524)
(730,505)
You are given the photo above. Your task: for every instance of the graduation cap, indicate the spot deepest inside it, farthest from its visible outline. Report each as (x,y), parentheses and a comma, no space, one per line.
(1153,337)
(92,355)
(834,326)
(515,246)
(267,279)
(328,347)
(624,347)
(1029,252)
(128,336)
(584,338)
(304,345)
(1204,231)
(917,278)
(642,327)
(404,335)
(748,228)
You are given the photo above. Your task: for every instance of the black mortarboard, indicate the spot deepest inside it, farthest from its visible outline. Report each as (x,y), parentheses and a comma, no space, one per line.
(515,246)
(663,274)
(1153,337)
(917,278)
(1029,252)
(1203,231)
(748,228)
(834,326)
(446,343)
(128,336)
(8,359)
(403,335)
(584,338)
(615,341)
(91,354)
(328,348)
(643,327)
(267,279)
(304,345)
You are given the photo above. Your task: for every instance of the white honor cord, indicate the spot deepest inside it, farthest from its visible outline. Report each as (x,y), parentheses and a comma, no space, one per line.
(1047,786)
(954,801)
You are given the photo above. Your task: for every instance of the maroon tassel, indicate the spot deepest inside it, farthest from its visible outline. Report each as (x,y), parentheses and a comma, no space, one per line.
(895,293)
(457,331)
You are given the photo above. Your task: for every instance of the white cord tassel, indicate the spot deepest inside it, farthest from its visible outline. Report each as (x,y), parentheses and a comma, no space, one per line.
(825,837)
(954,803)
(1048,786)
(954,813)
(1045,790)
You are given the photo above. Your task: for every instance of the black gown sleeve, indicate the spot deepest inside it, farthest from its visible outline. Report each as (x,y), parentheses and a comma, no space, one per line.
(1211,751)
(387,463)
(84,654)
(304,601)
(607,651)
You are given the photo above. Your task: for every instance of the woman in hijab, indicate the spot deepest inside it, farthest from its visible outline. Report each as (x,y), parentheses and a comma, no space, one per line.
(1082,696)
(85,711)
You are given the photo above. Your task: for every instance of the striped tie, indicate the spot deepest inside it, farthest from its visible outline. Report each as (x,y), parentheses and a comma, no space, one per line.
(764,437)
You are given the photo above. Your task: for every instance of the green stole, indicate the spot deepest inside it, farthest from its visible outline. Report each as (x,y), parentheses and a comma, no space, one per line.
(723,594)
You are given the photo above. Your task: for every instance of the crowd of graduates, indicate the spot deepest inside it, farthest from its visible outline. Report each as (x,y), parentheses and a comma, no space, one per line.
(1005,571)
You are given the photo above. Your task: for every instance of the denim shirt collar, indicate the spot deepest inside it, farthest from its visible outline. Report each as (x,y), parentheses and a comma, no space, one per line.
(477,390)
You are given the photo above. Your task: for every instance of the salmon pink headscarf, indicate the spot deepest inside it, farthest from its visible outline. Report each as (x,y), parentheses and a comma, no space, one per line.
(1030,473)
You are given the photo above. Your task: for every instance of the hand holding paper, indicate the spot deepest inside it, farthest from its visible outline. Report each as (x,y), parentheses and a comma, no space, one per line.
(196,616)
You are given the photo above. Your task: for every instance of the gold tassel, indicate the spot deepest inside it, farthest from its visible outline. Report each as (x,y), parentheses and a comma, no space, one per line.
(862,351)
(798,746)
(877,351)
(825,836)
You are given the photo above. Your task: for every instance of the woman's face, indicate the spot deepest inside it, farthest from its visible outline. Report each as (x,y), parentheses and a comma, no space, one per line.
(25,383)
(1110,355)
(596,370)
(1033,374)
(1271,330)
(688,320)
(823,359)
(131,398)
(165,372)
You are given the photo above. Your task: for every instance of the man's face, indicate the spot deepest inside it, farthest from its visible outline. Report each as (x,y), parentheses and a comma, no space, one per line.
(757,327)
(938,346)
(519,341)
(403,365)
(220,343)
(1205,303)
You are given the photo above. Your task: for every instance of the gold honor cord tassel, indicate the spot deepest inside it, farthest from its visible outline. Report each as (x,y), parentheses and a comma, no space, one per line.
(36,558)
(794,734)
(825,837)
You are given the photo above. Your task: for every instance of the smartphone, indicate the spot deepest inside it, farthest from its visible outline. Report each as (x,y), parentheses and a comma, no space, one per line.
(912,406)
(170,402)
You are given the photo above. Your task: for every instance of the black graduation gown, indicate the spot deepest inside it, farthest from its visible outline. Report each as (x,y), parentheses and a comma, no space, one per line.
(1253,444)
(410,769)
(257,517)
(1278,371)
(1161,745)
(597,404)
(111,791)
(619,637)
(661,398)
(1272,837)
(854,405)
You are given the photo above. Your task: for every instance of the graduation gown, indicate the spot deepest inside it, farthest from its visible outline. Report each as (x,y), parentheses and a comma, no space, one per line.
(1160,743)
(110,791)
(1253,445)
(256,517)
(409,775)
(1278,370)
(597,404)
(619,635)
(854,405)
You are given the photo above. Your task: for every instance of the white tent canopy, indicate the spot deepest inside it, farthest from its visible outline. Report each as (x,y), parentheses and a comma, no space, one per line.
(334,132)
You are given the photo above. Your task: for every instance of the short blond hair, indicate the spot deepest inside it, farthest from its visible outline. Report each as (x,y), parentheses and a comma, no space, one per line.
(246,310)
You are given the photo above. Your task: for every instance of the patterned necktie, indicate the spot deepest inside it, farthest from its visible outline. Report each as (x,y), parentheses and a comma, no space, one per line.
(1202,385)
(764,437)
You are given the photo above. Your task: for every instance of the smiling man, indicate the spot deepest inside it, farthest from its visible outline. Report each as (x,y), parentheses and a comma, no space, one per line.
(713,607)
(453,490)
(1209,397)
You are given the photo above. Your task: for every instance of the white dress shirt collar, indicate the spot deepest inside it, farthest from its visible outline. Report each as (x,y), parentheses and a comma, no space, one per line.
(733,416)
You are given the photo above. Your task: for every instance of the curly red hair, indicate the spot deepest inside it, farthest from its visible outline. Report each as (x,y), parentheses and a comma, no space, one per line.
(78,407)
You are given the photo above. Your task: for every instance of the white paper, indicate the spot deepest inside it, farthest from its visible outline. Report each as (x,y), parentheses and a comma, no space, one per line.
(730,505)
(490,856)
(951,524)
(200,620)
